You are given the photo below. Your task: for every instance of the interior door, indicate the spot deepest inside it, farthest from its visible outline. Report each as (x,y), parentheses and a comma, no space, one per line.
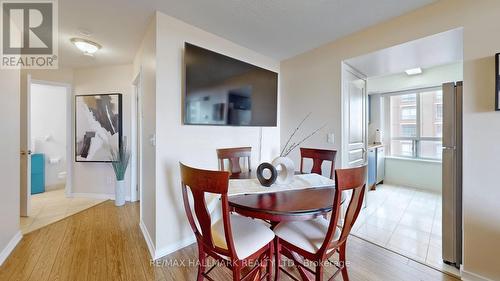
(138,148)
(137,143)
(354,121)
(355,118)
(25,145)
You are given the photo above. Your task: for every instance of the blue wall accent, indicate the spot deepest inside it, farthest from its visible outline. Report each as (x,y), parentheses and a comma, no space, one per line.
(37,173)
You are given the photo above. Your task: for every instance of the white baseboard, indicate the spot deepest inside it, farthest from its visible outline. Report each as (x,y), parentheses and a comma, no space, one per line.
(160,253)
(149,241)
(95,196)
(10,246)
(469,276)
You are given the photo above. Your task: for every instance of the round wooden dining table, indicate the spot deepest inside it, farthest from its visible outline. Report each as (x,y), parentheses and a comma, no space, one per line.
(292,205)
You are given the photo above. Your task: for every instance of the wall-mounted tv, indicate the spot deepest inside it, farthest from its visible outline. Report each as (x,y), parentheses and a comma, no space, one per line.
(224,91)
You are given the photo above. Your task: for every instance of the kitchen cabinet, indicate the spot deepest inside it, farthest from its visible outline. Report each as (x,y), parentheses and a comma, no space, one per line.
(376,165)
(380,164)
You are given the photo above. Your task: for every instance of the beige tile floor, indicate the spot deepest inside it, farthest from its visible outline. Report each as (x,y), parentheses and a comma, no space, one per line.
(404,220)
(52,206)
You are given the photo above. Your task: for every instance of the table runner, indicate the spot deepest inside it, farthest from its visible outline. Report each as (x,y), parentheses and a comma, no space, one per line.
(252,186)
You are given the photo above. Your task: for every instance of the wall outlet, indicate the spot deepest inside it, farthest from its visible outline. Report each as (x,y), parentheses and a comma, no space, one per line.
(330,138)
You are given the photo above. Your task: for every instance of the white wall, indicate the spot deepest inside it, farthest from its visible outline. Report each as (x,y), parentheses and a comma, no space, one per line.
(99,178)
(421,174)
(313,81)
(9,161)
(48,130)
(193,145)
(145,62)
(61,75)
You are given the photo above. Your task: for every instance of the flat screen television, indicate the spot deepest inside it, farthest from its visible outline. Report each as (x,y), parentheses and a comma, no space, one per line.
(225,91)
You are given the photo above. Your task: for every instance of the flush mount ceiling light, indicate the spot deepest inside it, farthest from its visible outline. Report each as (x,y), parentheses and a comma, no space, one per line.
(414,71)
(88,47)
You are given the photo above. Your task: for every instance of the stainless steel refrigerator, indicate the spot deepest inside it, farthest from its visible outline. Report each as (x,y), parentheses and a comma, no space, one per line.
(452,173)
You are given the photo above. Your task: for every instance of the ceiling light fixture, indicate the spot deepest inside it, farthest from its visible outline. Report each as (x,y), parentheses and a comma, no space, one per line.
(414,71)
(89,48)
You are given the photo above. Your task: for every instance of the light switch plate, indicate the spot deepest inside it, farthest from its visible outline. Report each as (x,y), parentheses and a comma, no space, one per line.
(330,138)
(152,139)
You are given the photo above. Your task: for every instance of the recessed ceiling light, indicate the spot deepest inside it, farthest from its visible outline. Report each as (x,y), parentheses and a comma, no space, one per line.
(89,48)
(414,71)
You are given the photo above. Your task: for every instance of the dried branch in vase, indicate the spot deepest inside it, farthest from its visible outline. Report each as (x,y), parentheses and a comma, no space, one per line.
(289,147)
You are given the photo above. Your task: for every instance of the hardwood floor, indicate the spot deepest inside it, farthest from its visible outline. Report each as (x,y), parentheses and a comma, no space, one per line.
(105,243)
(51,206)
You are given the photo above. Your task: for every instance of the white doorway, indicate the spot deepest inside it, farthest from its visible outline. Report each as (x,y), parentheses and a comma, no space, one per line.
(405,129)
(50,132)
(46,137)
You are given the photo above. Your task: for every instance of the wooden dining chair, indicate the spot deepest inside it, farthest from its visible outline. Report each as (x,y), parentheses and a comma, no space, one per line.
(317,240)
(318,156)
(234,155)
(234,240)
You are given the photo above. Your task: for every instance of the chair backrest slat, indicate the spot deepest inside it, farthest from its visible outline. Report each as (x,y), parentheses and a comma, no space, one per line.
(199,183)
(233,155)
(351,179)
(352,212)
(318,156)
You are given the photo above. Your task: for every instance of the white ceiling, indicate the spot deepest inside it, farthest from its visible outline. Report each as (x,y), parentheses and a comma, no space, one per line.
(439,49)
(277,28)
(118,25)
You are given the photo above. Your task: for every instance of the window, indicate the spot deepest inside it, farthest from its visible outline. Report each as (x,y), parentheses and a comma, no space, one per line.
(416,120)
(408,130)
(408,113)
(438,128)
(411,98)
(429,149)
(439,111)
(439,97)
(402,148)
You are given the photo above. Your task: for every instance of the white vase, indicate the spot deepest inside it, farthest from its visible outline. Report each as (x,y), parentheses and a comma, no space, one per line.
(120,193)
(285,168)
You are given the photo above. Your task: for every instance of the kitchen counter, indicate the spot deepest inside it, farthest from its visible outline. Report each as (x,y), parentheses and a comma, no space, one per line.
(375,145)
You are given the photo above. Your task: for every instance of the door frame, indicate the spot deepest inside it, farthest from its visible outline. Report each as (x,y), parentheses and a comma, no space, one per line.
(25,147)
(136,141)
(344,99)
(69,139)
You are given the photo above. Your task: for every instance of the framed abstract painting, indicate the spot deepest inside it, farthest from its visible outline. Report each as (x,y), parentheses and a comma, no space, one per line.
(98,126)
(497,82)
